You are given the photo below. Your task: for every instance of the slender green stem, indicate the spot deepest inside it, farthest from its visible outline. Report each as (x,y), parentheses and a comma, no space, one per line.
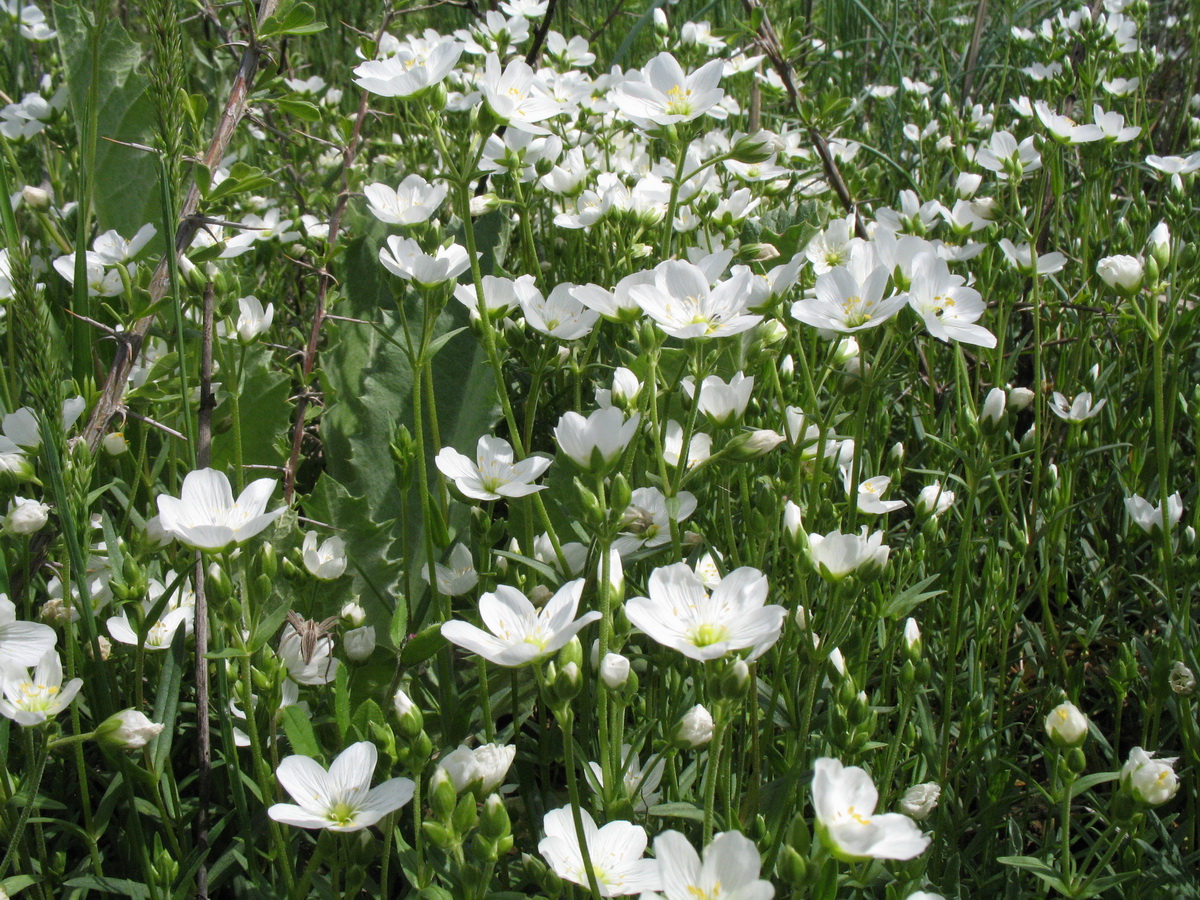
(34,783)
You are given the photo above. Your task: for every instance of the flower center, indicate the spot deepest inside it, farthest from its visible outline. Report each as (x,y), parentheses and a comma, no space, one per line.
(708,634)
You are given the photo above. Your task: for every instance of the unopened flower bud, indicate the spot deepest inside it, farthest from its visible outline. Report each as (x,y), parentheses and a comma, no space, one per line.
(127,730)
(920,800)
(36,197)
(484,203)
(443,798)
(25,517)
(992,413)
(359,643)
(1124,274)
(409,714)
(753,444)
(1159,245)
(912,640)
(114,443)
(614,671)
(495,822)
(735,680)
(1182,679)
(354,614)
(695,729)
(1066,725)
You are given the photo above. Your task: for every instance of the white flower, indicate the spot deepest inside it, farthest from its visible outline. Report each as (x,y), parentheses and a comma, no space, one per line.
(128,729)
(482,770)
(994,403)
(1182,679)
(205,515)
(836,555)
(252,319)
(500,295)
(405,258)
(615,852)
(1122,273)
(729,870)
(1066,725)
(647,519)
(1063,128)
(1078,410)
(359,643)
(25,516)
(341,799)
(1152,781)
(933,500)
(559,315)
(920,799)
(595,443)
(723,403)
(521,634)
(22,644)
(870,495)
(409,72)
(326,562)
(515,97)
(948,308)
(1020,257)
(640,788)
(1113,127)
(110,249)
(845,303)
(413,202)
(685,305)
(493,474)
(319,668)
(614,670)
(1150,518)
(31,700)
(1008,159)
(663,94)
(844,799)
(699,448)
(457,576)
(159,634)
(682,615)
(695,729)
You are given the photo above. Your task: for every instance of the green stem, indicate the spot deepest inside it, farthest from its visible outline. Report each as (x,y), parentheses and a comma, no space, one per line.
(35,783)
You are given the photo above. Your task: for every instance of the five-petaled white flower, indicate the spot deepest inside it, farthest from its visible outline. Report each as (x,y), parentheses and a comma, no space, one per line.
(836,555)
(205,515)
(682,615)
(663,94)
(32,699)
(597,442)
(948,308)
(341,799)
(844,798)
(409,72)
(22,644)
(327,561)
(1078,410)
(729,870)
(615,852)
(413,202)
(684,304)
(493,474)
(520,634)
(1150,518)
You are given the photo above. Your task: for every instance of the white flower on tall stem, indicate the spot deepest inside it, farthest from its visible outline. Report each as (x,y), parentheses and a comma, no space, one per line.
(413,202)
(110,249)
(685,305)
(836,555)
(560,315)
(32,699)
(519,633)
(1078,410)
(410,71)
(1063,128)
(615,851)
(619,304)
(846,302)
(699,448)
(1008,159)
(101,282)
(647,520)
(457,576)
(481,770)
(515,97)
(493,474)
(404,258)
(845,798)
(729,868)
(341,799)
(320,667)
(641,788)
(160,633)
(252,319)
(721,402)
(327,561)
(1150,518)
(500,295)
(1020,257)
(681,614)
(25,516)
(22,644)
(1113,126)
(1152,781)
(870,494)
(597,442)
(206,517)
(947,307)
(663,94)
(933,500)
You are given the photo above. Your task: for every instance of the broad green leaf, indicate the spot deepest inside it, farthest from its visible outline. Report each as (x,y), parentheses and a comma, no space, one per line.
(300,732)
(126,180)
(422,646)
